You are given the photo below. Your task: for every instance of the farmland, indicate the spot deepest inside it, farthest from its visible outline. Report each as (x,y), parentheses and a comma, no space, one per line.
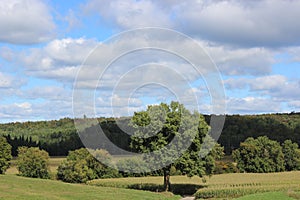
(219,186)
(284,185)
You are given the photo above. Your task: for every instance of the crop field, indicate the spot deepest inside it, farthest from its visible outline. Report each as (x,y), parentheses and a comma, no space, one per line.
(224,186)
(236,185)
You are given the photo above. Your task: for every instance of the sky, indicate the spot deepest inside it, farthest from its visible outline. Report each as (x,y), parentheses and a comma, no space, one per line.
(54,56)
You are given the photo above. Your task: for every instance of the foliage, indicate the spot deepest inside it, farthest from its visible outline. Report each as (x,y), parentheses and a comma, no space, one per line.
(5,155)
(291,155)
(128,167)
(259,155)
(33,162)
(81,166)
(15,187)
(157,127)
(58,137)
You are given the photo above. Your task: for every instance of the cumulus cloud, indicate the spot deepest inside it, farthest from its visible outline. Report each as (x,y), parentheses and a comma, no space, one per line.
(234,22)
(8,81)
(25,22)
(253,105)
(130,13)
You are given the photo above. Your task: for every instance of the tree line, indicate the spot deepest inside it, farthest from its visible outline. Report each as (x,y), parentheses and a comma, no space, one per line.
(60,136)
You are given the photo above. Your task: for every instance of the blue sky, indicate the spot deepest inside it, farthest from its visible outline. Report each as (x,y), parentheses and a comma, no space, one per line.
(44,45)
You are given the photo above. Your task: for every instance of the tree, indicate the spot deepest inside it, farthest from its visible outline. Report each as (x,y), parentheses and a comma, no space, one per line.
(5,155)
(81,166)
(259,155)
(33,162)
(171,126)
(291,155)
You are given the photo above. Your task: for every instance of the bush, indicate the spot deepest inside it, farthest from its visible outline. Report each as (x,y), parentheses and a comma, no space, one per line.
(81,166)
(33,162)
(129,166)
(5,155)
(259,155)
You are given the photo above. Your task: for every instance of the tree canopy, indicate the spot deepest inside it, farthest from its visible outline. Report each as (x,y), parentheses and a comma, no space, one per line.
(259,155)
(170,135)
(5,155)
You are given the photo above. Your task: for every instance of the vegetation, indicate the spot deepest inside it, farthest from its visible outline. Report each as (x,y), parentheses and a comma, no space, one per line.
(5,155)
(268,196)
(228,186)
(15,187)
(33,162)
(81,166)
(291,155)
(172,125)
(58,137)
(260,155)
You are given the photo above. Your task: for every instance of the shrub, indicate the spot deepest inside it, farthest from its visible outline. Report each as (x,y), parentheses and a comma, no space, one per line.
(259,155)
(129,166)
(33,162)
(5,155)
(81,166)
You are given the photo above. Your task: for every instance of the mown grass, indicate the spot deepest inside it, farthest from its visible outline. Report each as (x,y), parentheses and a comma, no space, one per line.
(15,187)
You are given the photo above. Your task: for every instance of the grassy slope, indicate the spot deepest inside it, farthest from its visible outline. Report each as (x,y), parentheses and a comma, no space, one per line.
(14,187)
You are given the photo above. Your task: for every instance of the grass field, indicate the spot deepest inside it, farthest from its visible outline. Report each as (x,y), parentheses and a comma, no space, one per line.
(285,185)
(14,187)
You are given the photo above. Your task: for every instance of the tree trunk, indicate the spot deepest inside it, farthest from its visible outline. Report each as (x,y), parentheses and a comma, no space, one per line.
(167,183)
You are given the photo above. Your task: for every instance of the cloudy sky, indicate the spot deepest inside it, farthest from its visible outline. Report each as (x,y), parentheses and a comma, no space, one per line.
(45,45)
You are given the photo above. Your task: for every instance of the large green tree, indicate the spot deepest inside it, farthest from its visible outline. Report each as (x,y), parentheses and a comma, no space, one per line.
(259,155)
(291,155)
(164,132)
(5,155)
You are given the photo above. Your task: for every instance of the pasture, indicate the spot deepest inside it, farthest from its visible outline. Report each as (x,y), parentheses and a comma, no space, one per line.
(15,187)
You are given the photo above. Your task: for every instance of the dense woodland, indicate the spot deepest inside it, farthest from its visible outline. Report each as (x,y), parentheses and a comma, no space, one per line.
(59,136)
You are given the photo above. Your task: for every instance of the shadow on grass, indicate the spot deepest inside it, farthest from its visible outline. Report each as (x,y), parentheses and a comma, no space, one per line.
(178,189)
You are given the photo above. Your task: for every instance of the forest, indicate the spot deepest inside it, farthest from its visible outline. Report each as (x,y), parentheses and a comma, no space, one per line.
(58,137)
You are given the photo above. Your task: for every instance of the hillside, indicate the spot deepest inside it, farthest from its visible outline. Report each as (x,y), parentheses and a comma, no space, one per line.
(15,187)
(59,136)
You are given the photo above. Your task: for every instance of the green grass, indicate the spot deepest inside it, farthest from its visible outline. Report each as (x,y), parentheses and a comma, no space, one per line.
(15,187)
(267,196)
(181,185)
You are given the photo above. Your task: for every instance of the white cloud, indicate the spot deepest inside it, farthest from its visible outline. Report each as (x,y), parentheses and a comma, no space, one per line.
(25,22)
(234,22)
(253,105)
(8,81)
(129,13)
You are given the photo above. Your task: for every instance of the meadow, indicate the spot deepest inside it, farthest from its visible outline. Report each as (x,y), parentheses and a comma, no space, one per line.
(15,187)
(243,186)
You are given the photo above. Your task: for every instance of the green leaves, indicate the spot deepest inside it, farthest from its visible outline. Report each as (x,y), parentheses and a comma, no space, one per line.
(33,162)
(260,155)
(5,155)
